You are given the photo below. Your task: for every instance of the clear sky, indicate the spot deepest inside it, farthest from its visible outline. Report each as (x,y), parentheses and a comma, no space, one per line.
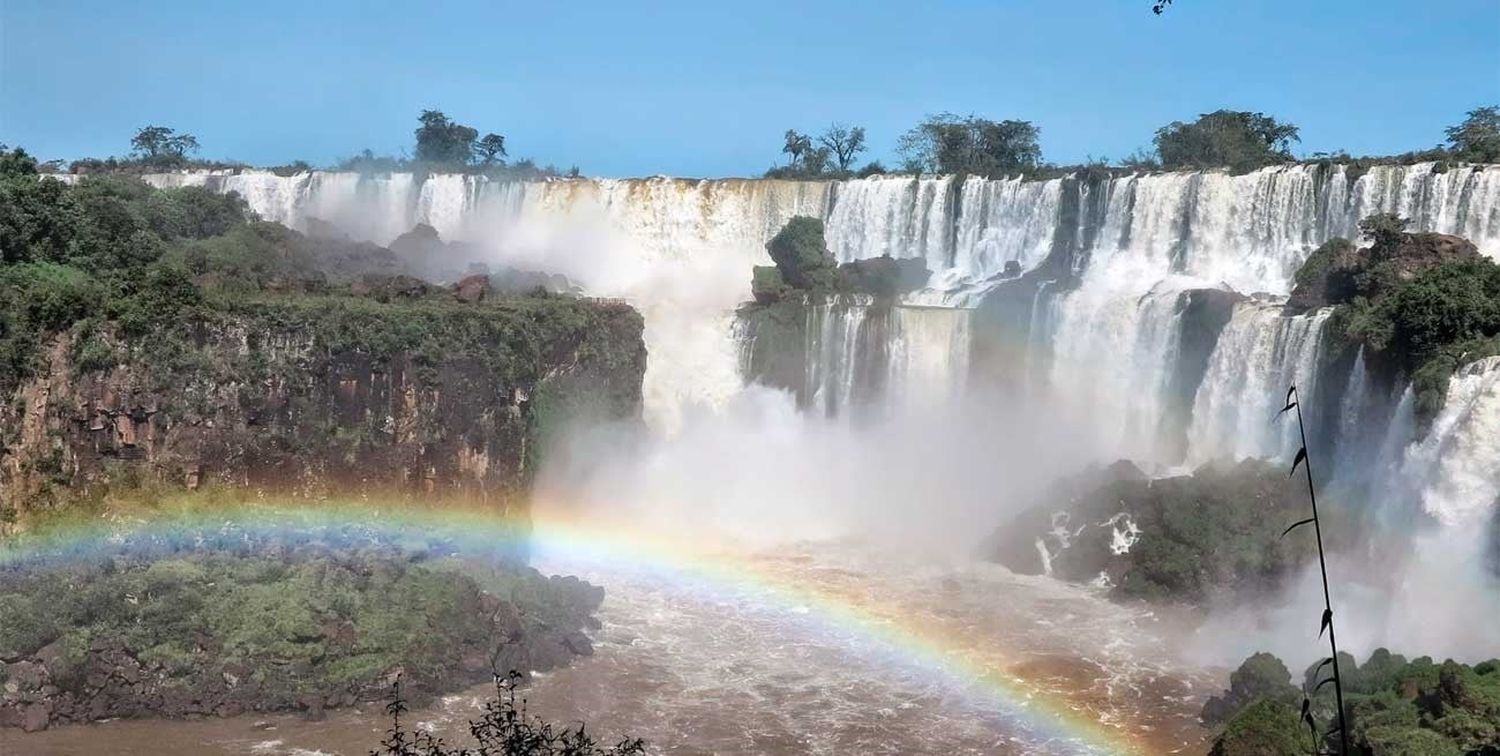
(706,88)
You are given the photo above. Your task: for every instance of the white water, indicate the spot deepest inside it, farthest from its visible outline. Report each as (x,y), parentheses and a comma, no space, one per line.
(682,250)
(1258,356)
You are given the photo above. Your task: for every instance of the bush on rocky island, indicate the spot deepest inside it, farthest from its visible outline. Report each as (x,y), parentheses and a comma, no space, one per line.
(803,263)
(1422,305)
(295,625)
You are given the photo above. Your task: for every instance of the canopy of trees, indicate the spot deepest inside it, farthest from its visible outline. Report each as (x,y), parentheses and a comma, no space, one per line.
(1240,140)
(159,145)
(1477,139)
(946,143)
(443,140)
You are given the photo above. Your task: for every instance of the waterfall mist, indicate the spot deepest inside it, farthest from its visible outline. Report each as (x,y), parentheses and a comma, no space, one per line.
(1158,334)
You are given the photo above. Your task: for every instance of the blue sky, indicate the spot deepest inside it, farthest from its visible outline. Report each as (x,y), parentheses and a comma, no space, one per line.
(705,88)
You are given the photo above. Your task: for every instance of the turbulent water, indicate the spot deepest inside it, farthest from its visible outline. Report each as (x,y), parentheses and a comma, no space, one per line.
(1107,339)
(699,669)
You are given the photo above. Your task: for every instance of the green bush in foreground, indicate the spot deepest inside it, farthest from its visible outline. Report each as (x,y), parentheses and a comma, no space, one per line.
(1395,706)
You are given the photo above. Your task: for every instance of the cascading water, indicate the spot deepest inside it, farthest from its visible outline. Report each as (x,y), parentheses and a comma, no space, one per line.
(1455,469)
(1259,354)
(680,251)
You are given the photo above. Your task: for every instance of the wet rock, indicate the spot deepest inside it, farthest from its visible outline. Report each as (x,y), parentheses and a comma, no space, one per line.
(35,717)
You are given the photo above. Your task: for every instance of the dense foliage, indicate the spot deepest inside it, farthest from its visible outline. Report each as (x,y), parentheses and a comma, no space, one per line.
(105,249)
(1394,706)
(801,254)
(1241,140)
(947,143)
(1422,305)
(1477,139)
(188,619)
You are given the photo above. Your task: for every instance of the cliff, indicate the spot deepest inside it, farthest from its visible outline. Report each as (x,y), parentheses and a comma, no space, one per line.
(316,395)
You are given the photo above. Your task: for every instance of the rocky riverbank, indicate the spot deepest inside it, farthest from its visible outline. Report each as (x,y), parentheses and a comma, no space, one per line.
(321,619)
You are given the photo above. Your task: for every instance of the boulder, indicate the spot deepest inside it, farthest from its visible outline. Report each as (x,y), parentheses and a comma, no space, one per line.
(472,289)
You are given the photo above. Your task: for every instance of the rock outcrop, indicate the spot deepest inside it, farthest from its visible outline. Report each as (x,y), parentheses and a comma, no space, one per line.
(298,626)
(1181,539)
(310,395)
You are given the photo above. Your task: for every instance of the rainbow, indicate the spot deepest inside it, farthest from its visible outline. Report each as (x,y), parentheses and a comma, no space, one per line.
(1047,719)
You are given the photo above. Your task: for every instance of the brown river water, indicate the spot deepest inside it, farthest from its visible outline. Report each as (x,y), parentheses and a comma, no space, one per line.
(868,653)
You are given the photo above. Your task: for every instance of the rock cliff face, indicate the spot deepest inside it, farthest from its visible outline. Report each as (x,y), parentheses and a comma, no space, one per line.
(321,396)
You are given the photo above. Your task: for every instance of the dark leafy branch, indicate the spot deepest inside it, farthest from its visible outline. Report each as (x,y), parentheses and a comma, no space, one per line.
(504,729)
(1294,402)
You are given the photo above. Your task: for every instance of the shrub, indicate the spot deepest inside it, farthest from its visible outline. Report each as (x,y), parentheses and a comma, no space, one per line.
(802,255)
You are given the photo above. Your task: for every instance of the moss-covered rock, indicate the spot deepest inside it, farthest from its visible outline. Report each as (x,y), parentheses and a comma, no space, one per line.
(1182,538)
(1394,706)
(801,254)
(1264,728)
(199,632)
(1260,676)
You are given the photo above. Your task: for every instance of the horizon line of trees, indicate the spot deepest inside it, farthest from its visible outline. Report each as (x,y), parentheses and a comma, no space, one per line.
(970,145)
(441,144)
(940,144)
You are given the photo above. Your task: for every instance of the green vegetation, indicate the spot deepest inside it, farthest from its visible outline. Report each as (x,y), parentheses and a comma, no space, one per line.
(801,254)
(1422,305)
(803,263)
(1477,139)
(971,145)
(1184,539)
(832,156)
(190,619)
(1240,140)
(163,147)
(1395,706)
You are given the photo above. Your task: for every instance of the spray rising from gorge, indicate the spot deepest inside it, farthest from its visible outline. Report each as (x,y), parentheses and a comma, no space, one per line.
(1066,321)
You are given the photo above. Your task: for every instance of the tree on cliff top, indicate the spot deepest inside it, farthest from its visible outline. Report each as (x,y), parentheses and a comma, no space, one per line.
(490,149)
(946,143)
(443,140)
(844,143)
(1238,139)
(801,254)
(1477,139)
(163,146)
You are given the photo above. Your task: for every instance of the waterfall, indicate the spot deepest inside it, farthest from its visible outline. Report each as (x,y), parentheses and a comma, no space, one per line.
(1455,469)
(1106,329)
(1259,354)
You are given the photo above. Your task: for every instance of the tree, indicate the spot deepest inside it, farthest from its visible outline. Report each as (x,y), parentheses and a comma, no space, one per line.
(946,143)
(443,141)
(16,162)
(1159,6)
(1240,140)
(159,144)
(491,147)
(796,145)
(844,143)
(815,161)
(1477,139)
(1384,228)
